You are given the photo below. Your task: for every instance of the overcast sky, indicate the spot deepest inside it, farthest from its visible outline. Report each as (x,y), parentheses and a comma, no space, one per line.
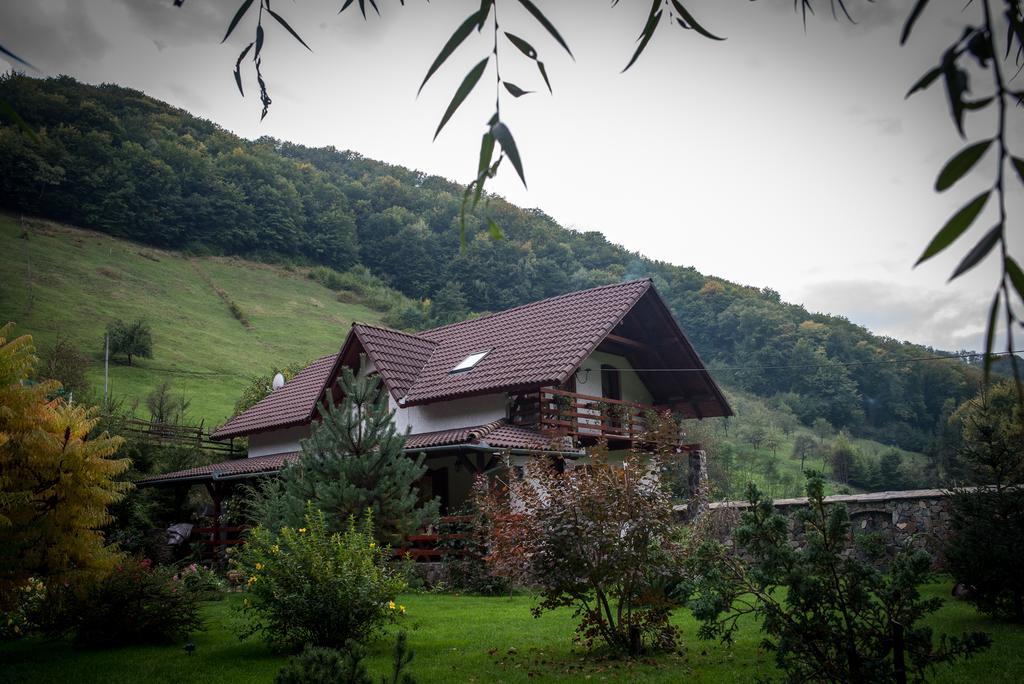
(776,158)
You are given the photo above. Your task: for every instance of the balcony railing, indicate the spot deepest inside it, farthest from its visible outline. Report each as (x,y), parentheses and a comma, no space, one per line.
(585,417)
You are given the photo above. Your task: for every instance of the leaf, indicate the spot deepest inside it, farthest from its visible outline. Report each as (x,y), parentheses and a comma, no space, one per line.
(494,230)
(523,46)
(958,166)
(1016,275)
(915,14)
(539,16)
(237,18)
(282,22)
(486,152)
(544,73)
(515,90)
(956,85)
(692,23)
(925,81)
(259,42)
(979,251)
(238,68)
(468,83)
(955,227)
(645,35)
(1018,165)
(990,334)
(508,145)
(457,39)
(18,59)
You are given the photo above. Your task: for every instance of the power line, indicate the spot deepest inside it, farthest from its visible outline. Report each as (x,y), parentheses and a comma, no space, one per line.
(917,359)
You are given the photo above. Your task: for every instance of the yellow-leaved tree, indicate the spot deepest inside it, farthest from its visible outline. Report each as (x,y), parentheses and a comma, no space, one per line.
(56,481)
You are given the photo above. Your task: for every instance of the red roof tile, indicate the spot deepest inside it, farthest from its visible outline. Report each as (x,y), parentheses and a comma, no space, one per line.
(398,356)
(290,405)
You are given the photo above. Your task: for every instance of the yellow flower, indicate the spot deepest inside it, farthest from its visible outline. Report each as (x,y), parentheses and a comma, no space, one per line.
(373,545)
(391,605)
(401,609)
(275,548)
(259,566)
(302,530)
(251,580)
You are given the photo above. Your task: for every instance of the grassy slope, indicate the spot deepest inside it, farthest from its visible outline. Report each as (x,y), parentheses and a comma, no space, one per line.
(80,280)
(476,639)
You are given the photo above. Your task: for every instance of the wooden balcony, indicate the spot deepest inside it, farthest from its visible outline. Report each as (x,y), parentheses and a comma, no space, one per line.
(587,419)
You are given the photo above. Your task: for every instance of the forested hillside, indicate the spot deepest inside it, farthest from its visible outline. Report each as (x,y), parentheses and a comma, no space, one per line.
(117,161)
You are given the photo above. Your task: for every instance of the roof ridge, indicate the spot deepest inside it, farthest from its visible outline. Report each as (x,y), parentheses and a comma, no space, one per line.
(539,301)
(392,330)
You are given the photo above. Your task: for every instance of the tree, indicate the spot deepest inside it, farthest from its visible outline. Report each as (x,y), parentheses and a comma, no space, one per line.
(56,480)
(130,339)
(822,429)
(449,304)
(755,435)
(828,615)
(889,472)
(803,446)
(66,364)
(984,550)
(352,462)
(844,459)
(166,407)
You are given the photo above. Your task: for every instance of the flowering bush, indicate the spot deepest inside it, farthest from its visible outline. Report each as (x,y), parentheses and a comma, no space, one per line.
(24,618)
(136,603)
(598,538)
(307,585)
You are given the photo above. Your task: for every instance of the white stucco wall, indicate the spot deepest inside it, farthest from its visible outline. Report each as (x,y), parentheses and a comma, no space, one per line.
(632,387)
(277,441)
(445,415)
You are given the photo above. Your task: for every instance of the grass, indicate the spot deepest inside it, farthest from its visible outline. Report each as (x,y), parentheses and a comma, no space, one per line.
(64,281)
(477,639)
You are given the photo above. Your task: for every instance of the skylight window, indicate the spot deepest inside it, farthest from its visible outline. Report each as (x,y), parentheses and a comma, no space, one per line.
(470,361)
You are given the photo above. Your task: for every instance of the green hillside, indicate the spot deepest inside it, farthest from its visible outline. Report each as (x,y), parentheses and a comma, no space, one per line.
(59,280)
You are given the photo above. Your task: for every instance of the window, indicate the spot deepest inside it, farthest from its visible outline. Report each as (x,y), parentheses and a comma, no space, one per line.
(470,361)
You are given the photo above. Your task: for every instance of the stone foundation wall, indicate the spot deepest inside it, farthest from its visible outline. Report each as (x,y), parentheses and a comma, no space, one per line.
(920,517)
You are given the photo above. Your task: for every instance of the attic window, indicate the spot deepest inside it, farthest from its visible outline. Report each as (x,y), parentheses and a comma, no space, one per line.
(469,363)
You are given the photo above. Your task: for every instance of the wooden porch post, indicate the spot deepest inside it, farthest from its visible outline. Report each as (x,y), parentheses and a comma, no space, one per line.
(217,496)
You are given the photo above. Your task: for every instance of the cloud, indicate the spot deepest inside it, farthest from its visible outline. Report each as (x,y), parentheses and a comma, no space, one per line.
(52,34)
(943,319)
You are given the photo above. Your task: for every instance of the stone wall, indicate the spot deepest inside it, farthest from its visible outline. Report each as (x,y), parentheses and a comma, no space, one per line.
(920,517)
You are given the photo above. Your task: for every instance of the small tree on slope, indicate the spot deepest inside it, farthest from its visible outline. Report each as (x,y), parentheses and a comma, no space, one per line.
(352,462)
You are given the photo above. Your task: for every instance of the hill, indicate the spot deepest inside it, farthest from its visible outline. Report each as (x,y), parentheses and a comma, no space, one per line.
(64,281)
(113,160)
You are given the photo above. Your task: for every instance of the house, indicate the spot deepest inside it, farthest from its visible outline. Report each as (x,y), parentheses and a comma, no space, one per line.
(551,377)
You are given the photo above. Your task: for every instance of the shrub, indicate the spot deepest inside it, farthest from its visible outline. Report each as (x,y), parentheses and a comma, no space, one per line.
(828,615)
(463,542)
(206,584)
(24,617)
(317,665)
(984,551)
(597,538)
(307,585)
(137,603)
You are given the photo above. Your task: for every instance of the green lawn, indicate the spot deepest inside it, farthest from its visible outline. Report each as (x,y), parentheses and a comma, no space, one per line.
(474,639)
(65,281)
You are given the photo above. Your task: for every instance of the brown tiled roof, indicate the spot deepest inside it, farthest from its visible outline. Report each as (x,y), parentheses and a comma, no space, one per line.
(398,356)
(530,345)
(291,405)
(497,434)
(238,467)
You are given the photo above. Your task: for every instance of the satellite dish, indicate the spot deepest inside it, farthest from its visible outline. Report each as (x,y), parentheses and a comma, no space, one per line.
(278,381)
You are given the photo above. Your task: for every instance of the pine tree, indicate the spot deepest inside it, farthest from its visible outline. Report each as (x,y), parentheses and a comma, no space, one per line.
(56,481)
(354,460)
